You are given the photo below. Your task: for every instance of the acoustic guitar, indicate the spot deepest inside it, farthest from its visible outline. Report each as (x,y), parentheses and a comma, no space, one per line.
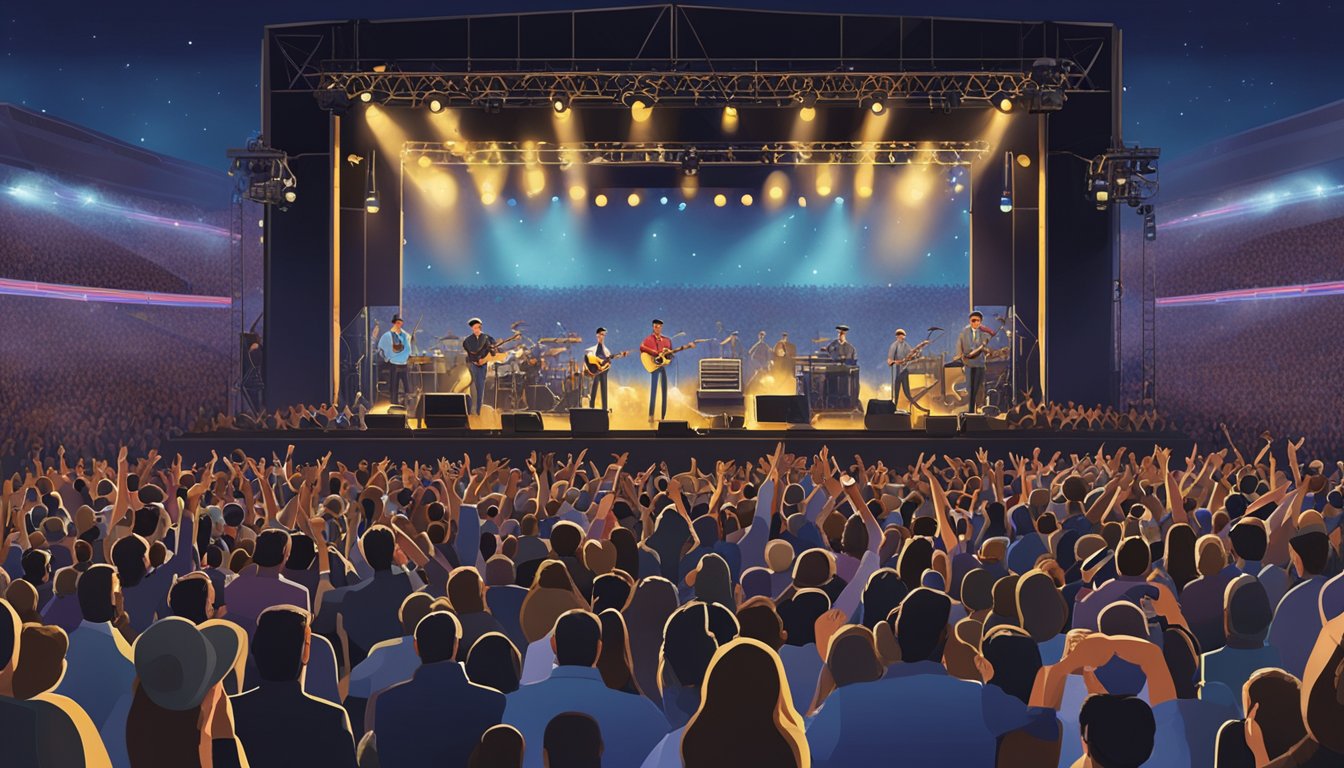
(594,365)
(654,362)
(493,353)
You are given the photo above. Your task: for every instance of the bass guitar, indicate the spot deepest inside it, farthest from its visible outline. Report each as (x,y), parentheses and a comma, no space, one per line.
(594,365)
(913,356)
(654,362)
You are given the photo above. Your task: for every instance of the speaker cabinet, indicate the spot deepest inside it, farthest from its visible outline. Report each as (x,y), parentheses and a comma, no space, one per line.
(588,421)
(978,423)
(788,409)
(445,410)
(940,426)
(882,416)
(674,429)
(521,421)
(395,420)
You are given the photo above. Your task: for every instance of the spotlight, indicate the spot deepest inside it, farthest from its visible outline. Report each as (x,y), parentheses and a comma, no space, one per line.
(1024,160)
(681,206)
(958,187)
(662,200)
(1006,202)
(807,114)
(371,204)
(720,200)
(600,201)
(951,100)
(366,96)
(577,192)
(641,108)
(730,112)
(633,199)
(690,162)
(839,201)
(435,104)
(1003,101)
(488,197)
(776,192)
(1101,191)
(334,101)
(560,103)
(875,103)
(865,191)
(746,199)
(291,195)
(808,103)
(802,201)
(423,161)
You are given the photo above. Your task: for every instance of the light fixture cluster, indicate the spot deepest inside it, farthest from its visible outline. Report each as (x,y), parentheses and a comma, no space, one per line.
(261,174)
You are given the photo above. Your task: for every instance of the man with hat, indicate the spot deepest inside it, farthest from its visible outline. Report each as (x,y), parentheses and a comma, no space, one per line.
(654,344)
(599,350)
(758,356)
(785,353)
(395,349)
(968,342)
(477,345)
(838,392)
(900,375)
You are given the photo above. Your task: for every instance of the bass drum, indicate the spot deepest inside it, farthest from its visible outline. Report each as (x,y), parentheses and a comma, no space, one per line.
(458,378)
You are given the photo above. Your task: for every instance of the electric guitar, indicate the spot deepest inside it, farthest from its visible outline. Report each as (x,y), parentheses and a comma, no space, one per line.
(980,350)
(913,356)
(594,365)
(654,362)
(492,353)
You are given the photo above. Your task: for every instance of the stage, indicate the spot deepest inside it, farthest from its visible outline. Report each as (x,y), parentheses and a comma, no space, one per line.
(645,446)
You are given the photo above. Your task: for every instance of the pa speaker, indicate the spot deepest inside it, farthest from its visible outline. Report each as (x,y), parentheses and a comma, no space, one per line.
(445,410)
(940,426)
(522,421)
(789,409)
(385,420)
(674,429)
(882,416)
(588,421)
(976,423)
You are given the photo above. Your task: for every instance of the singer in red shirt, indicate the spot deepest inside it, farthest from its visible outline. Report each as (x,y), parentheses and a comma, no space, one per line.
(653,344)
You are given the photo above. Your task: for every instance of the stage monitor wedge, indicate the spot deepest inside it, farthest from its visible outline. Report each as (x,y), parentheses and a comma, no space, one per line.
(445,410)
(589,421)
(785,409)
(396,420)
(882,416)
(521,421)
(940,426)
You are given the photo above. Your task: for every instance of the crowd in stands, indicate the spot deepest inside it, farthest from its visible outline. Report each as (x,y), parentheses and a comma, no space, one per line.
(93,376)
(1070,416)
(1106,610)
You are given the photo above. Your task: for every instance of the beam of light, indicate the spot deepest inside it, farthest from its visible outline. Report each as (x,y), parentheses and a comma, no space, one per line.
(729,121)
(62,196)
(825,180)
(568,129)
(690,186)
(776,189)
(1305,290)
(11,287)
(1262,202)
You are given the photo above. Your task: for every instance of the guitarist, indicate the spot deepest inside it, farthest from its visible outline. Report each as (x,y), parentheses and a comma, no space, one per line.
(654,344)
(900,374)
(395,348)
(599,350)
(477,346)
(972,355)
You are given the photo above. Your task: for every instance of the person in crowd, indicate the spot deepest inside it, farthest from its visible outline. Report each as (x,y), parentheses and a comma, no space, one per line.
(501,747)
(572,740)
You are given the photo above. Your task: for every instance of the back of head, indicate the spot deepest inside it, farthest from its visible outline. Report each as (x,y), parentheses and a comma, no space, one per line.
(189,597)
(578,638)
(572,740)
(921,626)
(1249,538)
(779,555)
(1123,618)
(1276,696)
(494,662)
(1313,551)
(1247,612)
(1117,731)
(42,661)
(10,629)
(746,715)
(1210,557)
(565,538)
(1132,557)
(465,591)
(883,592)
(95,592)
(378,544)
(501,746)
(278,644)
(814,568)
(688,644)
(611,590)
(1016,659)
(1041,609)
(1180,649)
(759,619)
(977,590)
(414,607)
(436,637)
(128,555)
(853,657)
(800,614)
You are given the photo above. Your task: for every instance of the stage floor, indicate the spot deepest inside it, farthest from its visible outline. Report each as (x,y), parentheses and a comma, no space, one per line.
(647,446)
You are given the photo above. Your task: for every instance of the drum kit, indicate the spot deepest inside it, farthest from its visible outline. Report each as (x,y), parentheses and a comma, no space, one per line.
(542,374)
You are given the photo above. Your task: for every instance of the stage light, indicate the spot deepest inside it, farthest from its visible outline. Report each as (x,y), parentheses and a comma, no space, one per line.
(423,161)
(641,109)
(488,197)
(291,195)
(334,101)
(681,206)
(1024,160)
(807,114)
(776,192)
(662,201)
(1006,202)
(951,100)
(435,104)
(1003,101)
(746,199)
(958,187)
(802,201)
(1006,199)
(690,162)
(600,201)
(865,191)
(730,112)
(371,204)
(576,193)
(560,103)
(633,199)
(720,200)
(875,103)
(839,201)
(512,202)
(366,96)
(807,111)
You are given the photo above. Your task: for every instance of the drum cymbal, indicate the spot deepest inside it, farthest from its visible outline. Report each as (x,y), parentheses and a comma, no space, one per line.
(553,352)
(822,340)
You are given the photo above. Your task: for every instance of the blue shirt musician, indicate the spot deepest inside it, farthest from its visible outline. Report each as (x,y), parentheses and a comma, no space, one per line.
(900,372)
(395,349)
(478,345)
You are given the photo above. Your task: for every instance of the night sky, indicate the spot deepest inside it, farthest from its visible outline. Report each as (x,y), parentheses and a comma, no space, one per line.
(181,78)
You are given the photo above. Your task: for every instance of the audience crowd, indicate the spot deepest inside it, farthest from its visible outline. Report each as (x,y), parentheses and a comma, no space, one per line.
(1070,416)
(1106,610)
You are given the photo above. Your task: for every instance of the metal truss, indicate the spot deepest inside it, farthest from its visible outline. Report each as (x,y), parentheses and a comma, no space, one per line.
(597,88)
(1125,175)
(693,156)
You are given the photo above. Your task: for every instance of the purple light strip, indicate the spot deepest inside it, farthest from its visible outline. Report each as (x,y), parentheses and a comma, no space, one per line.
(9,287)
(1334,288)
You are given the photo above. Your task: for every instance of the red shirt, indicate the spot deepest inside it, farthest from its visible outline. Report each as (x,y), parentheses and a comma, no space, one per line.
(655,344)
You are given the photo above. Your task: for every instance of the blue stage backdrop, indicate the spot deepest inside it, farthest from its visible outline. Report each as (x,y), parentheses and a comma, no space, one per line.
(888,250)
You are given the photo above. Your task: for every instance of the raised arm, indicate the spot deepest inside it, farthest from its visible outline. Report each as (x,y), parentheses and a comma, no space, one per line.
(946,531)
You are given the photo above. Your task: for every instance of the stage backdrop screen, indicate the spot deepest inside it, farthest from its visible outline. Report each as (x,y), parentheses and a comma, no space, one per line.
(876,255)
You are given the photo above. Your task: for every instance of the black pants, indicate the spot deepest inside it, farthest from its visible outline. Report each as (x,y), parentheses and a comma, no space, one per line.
(396,379)
(975,386)
(599,379)
(901,383)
